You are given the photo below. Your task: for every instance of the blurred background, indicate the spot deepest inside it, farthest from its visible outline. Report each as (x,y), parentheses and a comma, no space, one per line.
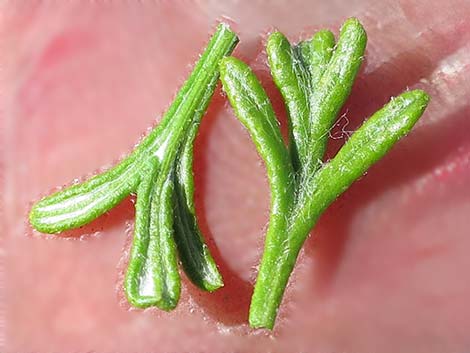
(386,268)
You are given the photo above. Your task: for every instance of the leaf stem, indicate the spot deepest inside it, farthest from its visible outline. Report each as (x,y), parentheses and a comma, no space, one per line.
(79,204)
(314,86)
(159,170)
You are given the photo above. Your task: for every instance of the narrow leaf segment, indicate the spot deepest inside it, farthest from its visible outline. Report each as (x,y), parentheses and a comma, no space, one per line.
(159,171)
(315,79)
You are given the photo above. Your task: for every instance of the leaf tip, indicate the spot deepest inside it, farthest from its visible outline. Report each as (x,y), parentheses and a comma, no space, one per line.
(354,28)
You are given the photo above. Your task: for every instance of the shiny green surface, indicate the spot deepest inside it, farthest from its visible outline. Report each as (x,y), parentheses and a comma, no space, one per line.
(159,170)
(314,87)
(296,71)
(194,254)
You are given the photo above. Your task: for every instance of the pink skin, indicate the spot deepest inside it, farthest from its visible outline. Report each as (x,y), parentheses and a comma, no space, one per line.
(386,269)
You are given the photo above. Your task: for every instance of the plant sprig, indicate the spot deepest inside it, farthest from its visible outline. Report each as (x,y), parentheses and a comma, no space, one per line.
(159,171)
(315,78)
(315,81)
